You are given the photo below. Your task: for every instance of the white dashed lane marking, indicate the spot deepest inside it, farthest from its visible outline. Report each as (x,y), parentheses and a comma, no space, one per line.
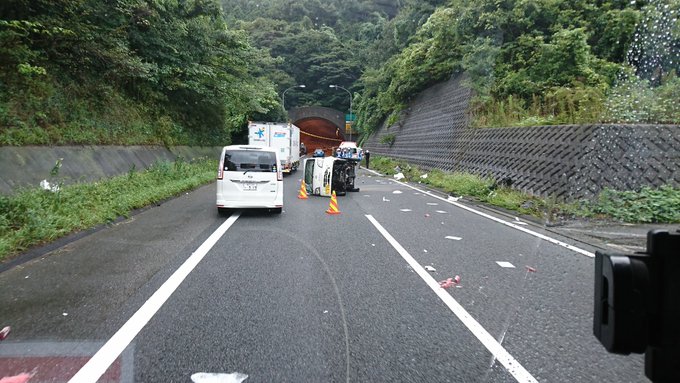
(506,265)
(511,364)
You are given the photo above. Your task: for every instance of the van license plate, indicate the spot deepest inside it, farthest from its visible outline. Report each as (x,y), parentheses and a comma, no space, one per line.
(249,187)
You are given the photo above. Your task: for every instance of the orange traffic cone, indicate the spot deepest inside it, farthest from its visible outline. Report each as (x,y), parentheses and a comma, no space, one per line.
(303,191)
(333,206)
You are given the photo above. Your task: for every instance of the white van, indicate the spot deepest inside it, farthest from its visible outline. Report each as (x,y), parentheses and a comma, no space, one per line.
(249,177)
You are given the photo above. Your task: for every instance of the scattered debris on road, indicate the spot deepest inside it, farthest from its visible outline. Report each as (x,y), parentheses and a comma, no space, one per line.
(5,332)
(396,192)
(427,215)
(530,269)
(430,268)
(385,200)
(453,199)
(21,378)
(405,210)
(448,282)
(399,176)
(208,377)
(452,237)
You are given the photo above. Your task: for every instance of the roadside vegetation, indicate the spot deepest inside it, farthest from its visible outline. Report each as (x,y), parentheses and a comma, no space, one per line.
(34,216)
(649,205)
(531,63)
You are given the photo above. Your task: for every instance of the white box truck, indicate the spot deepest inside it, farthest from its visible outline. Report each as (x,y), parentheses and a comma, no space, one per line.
(283,137)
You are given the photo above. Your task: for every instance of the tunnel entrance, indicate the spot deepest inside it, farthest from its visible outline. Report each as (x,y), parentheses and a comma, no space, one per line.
(319,133)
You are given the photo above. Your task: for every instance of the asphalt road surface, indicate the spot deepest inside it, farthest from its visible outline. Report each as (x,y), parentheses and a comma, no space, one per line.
(178,290)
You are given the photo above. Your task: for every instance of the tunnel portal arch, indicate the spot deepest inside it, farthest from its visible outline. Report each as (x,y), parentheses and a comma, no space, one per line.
(320,127)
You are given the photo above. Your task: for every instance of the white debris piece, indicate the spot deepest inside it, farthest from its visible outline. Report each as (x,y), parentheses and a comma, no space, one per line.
(441,212)
(432,203)
(424,176)
(399,176)
(405,210)
(46,186)
(385,199)
(424,250)
(518,222)
(430,268)
(208,377)
(453,238)
(396,192)
(453,199)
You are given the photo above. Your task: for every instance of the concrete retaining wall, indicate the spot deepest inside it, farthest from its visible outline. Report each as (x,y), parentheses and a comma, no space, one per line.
(569,162)
(27,166)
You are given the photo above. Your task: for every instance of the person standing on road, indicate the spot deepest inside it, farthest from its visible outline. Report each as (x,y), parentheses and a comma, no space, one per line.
(368,157)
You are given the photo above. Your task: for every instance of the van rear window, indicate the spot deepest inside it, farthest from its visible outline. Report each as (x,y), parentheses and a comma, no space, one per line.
(252,160)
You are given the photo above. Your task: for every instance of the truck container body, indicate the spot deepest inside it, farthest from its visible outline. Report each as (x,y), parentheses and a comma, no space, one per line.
(284,138)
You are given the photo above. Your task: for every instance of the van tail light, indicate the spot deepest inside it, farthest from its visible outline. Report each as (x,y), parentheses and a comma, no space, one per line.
(220,170)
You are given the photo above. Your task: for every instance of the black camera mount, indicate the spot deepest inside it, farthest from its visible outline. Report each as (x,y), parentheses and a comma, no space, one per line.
(637,304)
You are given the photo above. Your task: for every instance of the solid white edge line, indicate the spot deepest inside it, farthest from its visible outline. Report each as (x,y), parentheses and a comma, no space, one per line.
(102,360)
(506,223)
(510,363)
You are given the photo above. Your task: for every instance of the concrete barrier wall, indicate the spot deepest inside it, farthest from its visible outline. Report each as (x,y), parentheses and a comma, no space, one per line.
(28,165)
(569,162)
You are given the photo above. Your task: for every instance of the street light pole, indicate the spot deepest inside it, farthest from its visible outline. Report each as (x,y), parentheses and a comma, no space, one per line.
(283,96)
(350,107)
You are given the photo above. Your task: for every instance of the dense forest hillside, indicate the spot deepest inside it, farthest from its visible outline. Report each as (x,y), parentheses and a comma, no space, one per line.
(126,72)
(321,43)
(178,72)
(540,62)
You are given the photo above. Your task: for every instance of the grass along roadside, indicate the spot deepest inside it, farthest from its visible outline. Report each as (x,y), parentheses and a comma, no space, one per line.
(34,216)
(648,205)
